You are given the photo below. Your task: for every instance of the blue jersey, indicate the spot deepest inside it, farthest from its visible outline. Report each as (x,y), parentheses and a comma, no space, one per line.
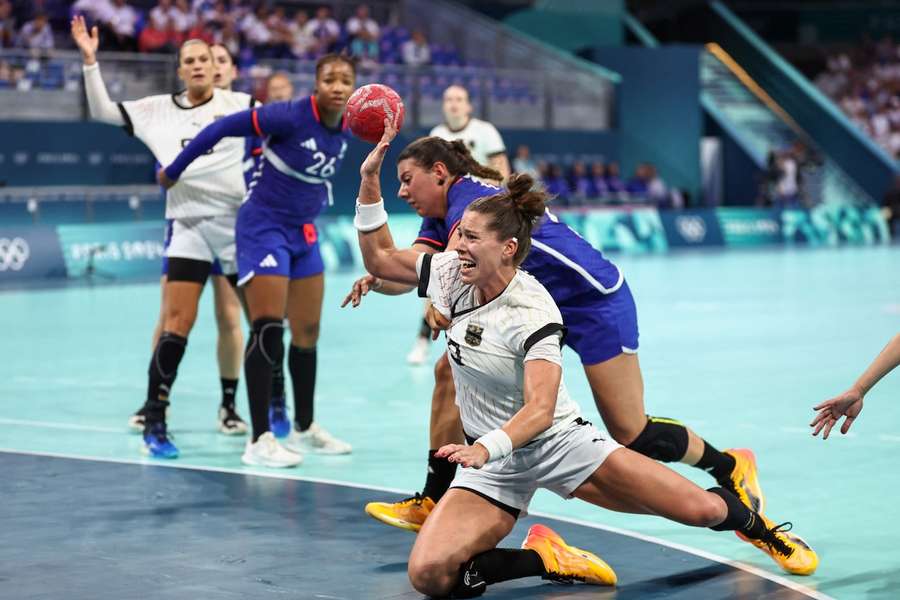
(564,263)
(300,156)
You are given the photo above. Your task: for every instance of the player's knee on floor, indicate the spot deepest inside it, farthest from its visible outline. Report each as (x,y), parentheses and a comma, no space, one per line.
(662,439)
(267,338)
(432,579)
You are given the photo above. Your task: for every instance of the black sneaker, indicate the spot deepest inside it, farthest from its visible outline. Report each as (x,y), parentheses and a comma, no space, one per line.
(231,423)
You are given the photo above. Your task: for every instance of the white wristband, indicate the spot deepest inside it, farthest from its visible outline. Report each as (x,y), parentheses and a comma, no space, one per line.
(497,443)
(370,217)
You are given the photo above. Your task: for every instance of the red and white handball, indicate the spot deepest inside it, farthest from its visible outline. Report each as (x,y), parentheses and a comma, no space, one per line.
(369,106)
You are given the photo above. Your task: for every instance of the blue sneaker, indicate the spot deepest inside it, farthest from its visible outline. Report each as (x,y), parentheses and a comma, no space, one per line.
(279,422)
(157,443)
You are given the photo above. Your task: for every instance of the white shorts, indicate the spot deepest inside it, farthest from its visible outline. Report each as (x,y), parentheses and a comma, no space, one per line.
(559,463)
(206,239)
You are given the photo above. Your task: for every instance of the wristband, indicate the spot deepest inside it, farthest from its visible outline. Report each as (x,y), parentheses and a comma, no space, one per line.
(497,443)
(369,217)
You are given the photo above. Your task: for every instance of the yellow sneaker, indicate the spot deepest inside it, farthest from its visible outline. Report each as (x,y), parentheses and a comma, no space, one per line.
(565,563)
(789,550)
(744,481)
(407,514)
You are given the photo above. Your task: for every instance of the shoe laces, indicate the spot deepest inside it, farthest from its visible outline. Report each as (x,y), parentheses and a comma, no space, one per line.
(230,417)
(417,499)
(777,542)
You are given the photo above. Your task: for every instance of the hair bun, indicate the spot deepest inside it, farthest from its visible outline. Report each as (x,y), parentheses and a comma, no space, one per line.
(530,203)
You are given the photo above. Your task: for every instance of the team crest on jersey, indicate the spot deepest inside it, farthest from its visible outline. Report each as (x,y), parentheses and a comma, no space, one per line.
(473,334)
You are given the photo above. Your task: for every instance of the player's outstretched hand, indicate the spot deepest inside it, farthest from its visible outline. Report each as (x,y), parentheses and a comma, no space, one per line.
(361,287)
(849,404)
(86,42)
(163,179)
(372,164)
(473,456)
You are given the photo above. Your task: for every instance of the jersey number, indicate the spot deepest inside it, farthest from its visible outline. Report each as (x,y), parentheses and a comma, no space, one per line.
(324,166)
(455,352)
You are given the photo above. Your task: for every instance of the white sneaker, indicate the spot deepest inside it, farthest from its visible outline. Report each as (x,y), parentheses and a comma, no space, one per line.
(317,440)
(231,423)
(420,351)
(267,452)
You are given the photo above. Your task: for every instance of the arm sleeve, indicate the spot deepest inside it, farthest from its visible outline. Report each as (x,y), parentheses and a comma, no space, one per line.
(276,119)
(438,278)
(101,107)
(493,143)
(240,124)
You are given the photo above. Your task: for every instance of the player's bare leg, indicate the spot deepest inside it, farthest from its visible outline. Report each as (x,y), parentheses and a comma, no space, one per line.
(229,352)
(618,390)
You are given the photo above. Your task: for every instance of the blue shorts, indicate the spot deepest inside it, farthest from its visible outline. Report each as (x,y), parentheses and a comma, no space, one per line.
(268,247)
(167,238)
(601,326)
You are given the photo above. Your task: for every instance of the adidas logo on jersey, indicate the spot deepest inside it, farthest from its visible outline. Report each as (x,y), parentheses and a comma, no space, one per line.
(310,144)
(268,261)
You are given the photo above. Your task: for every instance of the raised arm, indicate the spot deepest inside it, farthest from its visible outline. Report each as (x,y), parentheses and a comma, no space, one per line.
(239,124)
(850,403)
(381,257)
(100,106)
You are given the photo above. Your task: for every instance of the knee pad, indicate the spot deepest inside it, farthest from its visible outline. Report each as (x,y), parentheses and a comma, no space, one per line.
(268,338)
(662,439)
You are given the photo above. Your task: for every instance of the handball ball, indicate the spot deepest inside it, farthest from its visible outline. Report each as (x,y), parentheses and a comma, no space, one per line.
(369,106)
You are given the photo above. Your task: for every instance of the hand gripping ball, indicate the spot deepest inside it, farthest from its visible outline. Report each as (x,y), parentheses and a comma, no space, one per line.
(369,106)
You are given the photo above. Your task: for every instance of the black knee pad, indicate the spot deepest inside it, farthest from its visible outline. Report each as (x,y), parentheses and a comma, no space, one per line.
(268,339)
(662,439)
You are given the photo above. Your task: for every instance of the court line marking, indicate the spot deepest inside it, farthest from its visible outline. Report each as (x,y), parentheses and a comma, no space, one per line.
(783,581)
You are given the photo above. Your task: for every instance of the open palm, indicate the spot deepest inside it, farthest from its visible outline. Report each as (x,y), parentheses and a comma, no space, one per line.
(849,404)
(87,42)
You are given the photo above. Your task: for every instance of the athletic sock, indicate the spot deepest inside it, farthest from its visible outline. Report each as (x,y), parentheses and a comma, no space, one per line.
(718,464)
(265,348)
(494,566)
(739,518)
(302,363)
(440,474)
(229,391)
(161,374)
(278,379)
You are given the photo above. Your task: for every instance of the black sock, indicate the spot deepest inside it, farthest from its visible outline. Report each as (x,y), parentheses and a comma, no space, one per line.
(740,518)
(440,474)
(265,348)
(229,391)
(163,369)
(302,363)
(278,379)
(494,566)
(425,330)
(718,464)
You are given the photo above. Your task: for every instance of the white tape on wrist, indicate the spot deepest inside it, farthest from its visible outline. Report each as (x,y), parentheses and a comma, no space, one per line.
(369,217)
(497,443)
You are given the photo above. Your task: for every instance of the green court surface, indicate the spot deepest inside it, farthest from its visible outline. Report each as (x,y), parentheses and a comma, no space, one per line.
(738,345)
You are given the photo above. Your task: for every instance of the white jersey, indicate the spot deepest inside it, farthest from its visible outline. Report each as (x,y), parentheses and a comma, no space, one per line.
(488,344)
(214,183)
(482,139)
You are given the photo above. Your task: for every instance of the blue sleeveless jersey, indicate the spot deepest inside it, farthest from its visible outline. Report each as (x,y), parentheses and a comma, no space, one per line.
(560,259)
(300,156)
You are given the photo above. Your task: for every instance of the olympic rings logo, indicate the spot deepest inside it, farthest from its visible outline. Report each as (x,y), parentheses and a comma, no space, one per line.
(14,254)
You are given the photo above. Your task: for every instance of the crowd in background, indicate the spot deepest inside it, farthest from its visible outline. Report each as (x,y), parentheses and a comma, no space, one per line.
(866,85)
(598,183)
(250,30)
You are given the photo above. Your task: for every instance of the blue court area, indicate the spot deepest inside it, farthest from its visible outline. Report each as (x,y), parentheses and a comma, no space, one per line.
(739,345)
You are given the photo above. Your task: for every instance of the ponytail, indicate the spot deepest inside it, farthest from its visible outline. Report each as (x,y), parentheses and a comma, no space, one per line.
(455,156)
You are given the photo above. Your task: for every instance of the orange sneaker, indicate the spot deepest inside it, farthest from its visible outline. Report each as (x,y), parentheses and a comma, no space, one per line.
(564,563)
(409,514)
(789,550)
(743,481)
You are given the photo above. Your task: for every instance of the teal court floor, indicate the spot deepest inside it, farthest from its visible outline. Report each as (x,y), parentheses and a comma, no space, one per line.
(739,345)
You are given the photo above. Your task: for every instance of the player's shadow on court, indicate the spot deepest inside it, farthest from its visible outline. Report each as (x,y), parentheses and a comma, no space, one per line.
(694,577)
(398,567)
